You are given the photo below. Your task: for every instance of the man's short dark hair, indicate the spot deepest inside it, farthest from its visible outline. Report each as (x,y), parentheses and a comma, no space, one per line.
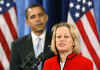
(33,6)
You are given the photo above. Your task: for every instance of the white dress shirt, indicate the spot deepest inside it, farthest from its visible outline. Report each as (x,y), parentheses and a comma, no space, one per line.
(62,65)
(42,43)
(35,41)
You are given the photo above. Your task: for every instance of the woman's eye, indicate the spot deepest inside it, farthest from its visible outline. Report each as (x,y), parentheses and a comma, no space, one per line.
(58,36)
(66,36)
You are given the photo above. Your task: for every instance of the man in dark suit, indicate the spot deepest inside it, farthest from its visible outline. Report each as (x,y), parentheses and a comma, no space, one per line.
(24,51)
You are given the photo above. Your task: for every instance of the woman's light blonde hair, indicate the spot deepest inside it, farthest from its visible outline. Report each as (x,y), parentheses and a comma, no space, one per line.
(74,34)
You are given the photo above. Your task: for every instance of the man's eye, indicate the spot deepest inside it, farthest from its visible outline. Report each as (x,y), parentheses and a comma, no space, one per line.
(33,16)
(41,14)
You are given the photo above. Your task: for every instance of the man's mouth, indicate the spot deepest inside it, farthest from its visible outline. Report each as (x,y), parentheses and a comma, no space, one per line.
(39,24)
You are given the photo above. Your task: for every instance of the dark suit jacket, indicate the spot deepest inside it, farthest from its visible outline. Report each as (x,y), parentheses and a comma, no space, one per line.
(22,47)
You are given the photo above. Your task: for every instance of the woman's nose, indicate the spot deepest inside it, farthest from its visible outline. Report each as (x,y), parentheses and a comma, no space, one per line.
(62,39)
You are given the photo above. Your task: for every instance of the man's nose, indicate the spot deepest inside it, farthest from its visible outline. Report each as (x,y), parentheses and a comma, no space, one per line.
(38,19)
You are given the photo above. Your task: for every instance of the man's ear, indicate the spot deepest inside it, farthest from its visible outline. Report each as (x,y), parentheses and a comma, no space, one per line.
(46,17)
(26,22)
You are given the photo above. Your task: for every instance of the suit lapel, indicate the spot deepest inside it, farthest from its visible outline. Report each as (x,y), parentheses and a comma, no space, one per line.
(29,43)
(30,49)
(47,41)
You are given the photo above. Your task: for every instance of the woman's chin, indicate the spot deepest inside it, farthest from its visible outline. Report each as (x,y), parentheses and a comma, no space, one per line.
(63,50)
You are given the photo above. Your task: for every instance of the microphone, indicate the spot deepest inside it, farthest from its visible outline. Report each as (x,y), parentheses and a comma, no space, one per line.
(40,58)
(30,62)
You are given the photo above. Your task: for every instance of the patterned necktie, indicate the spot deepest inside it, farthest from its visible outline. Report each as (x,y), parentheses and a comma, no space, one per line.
(38,48)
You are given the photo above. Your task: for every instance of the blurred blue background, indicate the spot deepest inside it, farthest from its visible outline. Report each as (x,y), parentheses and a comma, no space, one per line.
(56,10)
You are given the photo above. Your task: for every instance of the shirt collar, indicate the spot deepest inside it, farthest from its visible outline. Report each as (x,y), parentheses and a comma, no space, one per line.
(69,57)
(42,36)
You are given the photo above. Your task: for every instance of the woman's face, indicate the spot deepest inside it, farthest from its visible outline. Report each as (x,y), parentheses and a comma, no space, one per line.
(64,41)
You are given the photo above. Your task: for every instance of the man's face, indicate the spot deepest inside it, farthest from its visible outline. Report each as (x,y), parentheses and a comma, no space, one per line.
(37,19)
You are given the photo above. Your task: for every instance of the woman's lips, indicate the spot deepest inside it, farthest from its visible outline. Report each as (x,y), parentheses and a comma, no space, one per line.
(61,44)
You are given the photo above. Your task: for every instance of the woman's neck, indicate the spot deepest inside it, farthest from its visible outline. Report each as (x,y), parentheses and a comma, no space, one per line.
(63,56)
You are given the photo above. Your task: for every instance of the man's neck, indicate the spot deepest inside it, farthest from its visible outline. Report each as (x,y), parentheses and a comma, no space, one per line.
(38,33)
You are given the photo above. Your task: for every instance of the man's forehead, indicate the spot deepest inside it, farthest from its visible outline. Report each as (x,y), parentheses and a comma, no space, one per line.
(31,9)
